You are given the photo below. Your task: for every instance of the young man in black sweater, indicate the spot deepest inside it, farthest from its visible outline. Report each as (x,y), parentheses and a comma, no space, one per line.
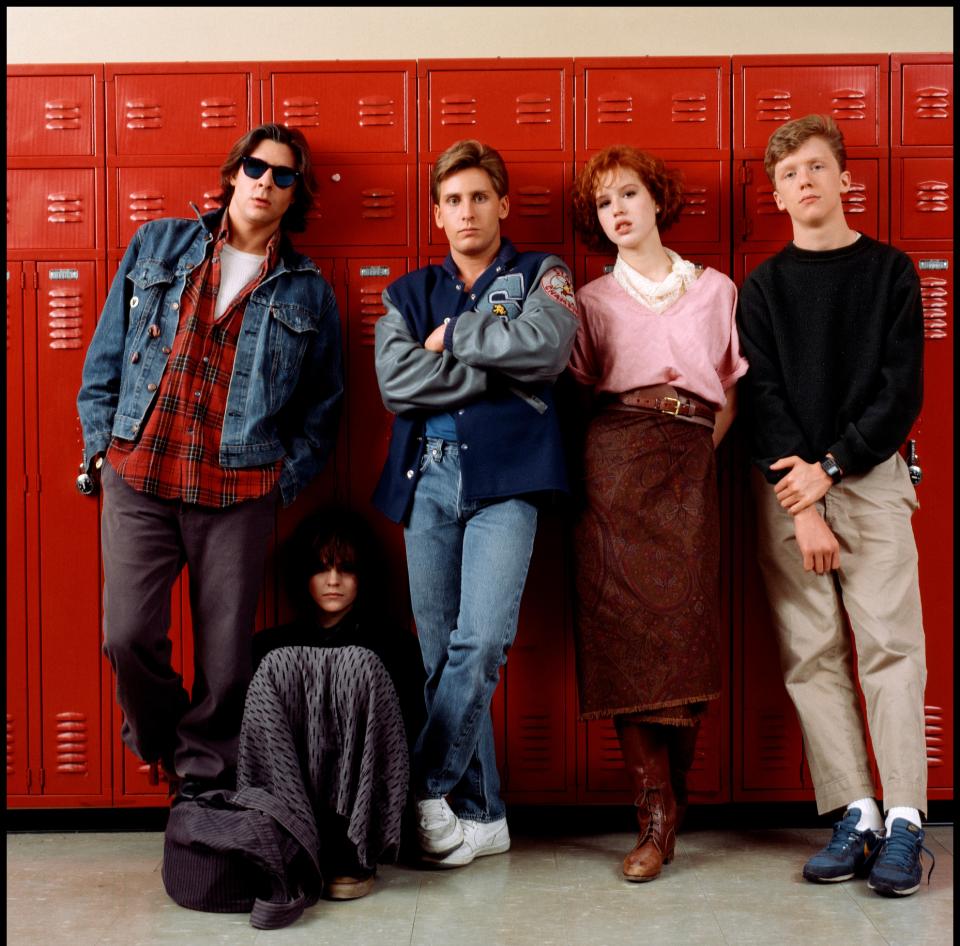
(833,329)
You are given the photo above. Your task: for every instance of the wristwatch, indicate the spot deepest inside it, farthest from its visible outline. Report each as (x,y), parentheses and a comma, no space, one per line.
(832,469)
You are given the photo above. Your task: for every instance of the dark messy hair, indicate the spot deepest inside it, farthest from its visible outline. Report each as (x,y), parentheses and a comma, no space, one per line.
(295,219)
(333,536)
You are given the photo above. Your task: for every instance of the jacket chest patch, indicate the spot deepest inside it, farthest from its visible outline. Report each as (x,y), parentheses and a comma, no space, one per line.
(504,297)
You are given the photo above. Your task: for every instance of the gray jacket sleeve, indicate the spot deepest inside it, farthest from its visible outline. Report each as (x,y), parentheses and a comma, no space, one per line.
(410,377)
(534,346)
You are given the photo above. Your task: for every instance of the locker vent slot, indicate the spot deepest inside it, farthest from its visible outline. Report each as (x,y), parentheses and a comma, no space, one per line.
(610,756)
(371,308)
(535,750)
(933,292)
(378,203)
(301,112)
(933,197)
(11,745)
(146,205)
(772,741)
(458,110)
(933,725)
(533,110)
(694,201)
(855,199)
(65,318)
(614,109)
(143,116)
(932,102)
(218,113)
(62,116)
(765,201)
(533,201)
(376,110)
(72,741)
(64,208)
(688,107)
(773,105)
(849,105)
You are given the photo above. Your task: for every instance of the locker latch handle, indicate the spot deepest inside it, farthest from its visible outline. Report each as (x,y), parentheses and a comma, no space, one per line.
(913,467)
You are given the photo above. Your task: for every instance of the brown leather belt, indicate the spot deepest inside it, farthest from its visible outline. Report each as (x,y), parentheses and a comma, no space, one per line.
(678,404)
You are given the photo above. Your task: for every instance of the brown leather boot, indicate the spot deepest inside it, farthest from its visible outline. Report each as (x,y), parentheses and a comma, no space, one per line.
(648,765)
(682,748)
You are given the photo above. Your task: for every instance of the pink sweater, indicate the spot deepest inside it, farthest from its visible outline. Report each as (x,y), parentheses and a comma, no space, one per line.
(693,344)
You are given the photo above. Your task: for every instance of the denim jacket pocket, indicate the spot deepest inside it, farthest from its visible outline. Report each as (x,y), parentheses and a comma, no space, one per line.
(292,329)
(149,282)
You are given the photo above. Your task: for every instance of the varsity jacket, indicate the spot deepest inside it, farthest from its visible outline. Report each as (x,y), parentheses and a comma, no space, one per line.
(506,341)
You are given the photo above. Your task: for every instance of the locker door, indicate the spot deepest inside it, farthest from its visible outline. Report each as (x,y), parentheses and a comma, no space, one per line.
(654,108)
(51,116)
(195,112)
(17,471)
(73,744)
(862,204)
(926,104)
(522,109)
(368,422)
(54,208)
(705,214)
(149,193)
(361,205)
(933,435)
(923,198)
(345,112)
(854,95)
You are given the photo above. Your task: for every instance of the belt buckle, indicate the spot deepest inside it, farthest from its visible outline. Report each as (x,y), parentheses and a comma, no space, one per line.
(666,410)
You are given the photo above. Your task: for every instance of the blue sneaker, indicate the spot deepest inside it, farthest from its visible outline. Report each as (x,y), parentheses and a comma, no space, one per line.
(898,869)
(850,852)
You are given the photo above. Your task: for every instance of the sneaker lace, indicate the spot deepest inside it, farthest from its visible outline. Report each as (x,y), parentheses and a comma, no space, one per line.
(845,836)
(900,848)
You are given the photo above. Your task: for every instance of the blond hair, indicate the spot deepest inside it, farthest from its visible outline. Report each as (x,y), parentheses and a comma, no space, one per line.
(467,154)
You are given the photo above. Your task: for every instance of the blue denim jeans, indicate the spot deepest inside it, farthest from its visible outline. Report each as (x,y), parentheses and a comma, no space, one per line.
(467,565)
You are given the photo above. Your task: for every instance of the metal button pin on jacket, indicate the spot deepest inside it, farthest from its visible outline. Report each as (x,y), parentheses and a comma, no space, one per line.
(151,387)
(134,302)
(134,358)
(154,331)
(409,474)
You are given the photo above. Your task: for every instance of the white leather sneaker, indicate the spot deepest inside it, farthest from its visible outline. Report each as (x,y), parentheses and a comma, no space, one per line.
(480,838)
(438,829)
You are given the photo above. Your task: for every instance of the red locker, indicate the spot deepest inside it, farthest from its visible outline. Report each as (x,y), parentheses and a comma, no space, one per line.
(169,110)
(54,209)
(518,106)
(771,90)
(55,113)
(344,111)
(922,100)
(658,104)
(18,717)
(922,201)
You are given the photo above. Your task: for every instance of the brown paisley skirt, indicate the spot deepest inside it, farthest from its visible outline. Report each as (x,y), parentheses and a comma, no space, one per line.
(647,554)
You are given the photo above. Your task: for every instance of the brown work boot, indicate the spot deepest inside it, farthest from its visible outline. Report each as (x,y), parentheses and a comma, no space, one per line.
(648,765)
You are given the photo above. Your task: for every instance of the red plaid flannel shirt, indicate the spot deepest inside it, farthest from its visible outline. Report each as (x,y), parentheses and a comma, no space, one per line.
(177,454)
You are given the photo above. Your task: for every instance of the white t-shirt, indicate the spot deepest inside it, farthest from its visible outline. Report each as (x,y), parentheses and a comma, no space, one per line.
(236,270)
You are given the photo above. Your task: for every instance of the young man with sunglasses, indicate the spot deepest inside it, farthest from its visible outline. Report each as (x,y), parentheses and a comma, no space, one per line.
(466,356)
(211,393)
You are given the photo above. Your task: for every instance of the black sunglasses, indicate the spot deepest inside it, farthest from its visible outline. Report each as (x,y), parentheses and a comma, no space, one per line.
(283,177)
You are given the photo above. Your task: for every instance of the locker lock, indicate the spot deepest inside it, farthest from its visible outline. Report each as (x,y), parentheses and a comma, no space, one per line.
(913,467)
(335,177)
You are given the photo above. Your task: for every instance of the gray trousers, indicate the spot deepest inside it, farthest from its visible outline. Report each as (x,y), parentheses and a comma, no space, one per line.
(878,586)
(145,544)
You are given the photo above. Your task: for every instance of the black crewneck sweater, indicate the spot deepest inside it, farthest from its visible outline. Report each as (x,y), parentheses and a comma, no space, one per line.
(835,344)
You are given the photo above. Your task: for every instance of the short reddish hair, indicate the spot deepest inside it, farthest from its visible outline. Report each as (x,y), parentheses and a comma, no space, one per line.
(662,184)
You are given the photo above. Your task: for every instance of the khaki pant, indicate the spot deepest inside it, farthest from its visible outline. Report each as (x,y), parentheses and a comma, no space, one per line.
(877,583)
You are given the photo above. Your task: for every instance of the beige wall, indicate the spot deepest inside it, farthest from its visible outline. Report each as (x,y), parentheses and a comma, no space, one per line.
(263,33)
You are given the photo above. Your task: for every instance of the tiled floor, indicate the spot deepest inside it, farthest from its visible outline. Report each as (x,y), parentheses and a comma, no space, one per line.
(725,887)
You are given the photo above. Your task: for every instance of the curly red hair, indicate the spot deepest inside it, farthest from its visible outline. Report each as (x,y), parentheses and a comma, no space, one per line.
(662,184)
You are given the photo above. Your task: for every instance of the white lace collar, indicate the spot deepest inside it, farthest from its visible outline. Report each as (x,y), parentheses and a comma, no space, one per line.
(654,295)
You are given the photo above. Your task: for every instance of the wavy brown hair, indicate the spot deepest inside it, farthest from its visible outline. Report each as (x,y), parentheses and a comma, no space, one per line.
(467,154)
(791,136)
(663,185)
(295,219)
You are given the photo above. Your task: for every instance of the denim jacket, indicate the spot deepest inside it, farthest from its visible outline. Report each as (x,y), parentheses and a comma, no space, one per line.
(287,382)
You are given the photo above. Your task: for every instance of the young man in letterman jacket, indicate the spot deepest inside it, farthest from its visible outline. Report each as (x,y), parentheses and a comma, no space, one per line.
(833,328)
(466,357)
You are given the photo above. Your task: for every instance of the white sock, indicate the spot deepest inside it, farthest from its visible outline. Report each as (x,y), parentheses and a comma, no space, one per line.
(911,814)
(870,816)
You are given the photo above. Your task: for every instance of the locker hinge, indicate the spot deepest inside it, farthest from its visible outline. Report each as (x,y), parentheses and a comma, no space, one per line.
(23,280)
(43,779)
(29,779)
(745,175)
(36,280)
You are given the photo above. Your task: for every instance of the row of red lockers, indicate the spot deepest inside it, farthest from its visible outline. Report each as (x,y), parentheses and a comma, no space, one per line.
(167,127)
(61,742)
